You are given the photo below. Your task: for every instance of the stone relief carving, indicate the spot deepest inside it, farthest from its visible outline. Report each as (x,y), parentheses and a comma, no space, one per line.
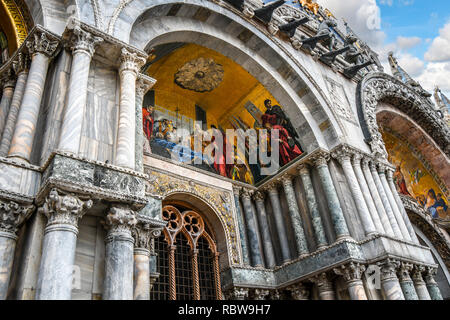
(340,101)
(13,215)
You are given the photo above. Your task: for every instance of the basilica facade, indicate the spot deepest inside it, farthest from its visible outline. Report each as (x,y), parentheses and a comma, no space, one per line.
(107,191)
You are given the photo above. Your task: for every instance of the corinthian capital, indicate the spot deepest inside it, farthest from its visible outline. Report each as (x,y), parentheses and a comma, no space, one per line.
(120,219)
(8,80)
(144,231)
(144,84)
(343,154)
(259,196)
(351,272)
(356,159)
(389,269)
(22,63)
(404,272)
(246,193)
(81,40)
(44,43)
(320,159)
(64,208)
(299,292)
(323,282)
(131,61)
(417,273)
(13,215)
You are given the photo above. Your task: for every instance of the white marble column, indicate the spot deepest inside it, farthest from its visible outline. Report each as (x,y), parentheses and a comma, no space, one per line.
(401,207)
(376,198)
(119,256)
(82,44)
(63,212)
(130,65)
(398,216)
(8,82)
(21,68)
(12,216)
(385,201)
(42,48)
(419,283)
(389,281)
(343,155)
(352,274)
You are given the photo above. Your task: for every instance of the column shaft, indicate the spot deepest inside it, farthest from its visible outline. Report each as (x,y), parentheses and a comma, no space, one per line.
(7,247)
(319,231)
(8,91)
(279,223)
(433,289)
(265,232)
(419,284)
(241,225)
(141,274)
(389,280)
(324,286)
(352,274)
(406,283)
(252,230)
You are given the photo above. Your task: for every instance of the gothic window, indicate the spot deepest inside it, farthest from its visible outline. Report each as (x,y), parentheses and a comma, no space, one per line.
(188,261)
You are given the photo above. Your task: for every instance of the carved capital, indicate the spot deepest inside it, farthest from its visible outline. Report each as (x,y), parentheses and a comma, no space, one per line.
(417,274)
(120,219)
(237,190)
(144,84)
(259,196)
(351,272)
(238,294)
(8,79)
(343,154)
(272,188)
(22,63)
(366,161)
(81,40)
(286,181)
(261,294)
(356,159)
(405,271)
(320,159)
(381,168)
(389,269)
(299,292)
(130,61)
(430,273)
(43,43)
(323,282)
(246,193)
(13,215)
(60,208)
(144,232)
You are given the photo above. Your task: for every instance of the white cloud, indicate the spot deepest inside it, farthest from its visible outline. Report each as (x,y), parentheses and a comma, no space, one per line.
(440,47)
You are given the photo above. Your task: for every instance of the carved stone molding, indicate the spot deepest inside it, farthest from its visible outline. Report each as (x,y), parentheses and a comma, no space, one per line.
(351,272)
(131,61)
(81,40)
(61,208)
(120,220)
(13,215)
(43,42)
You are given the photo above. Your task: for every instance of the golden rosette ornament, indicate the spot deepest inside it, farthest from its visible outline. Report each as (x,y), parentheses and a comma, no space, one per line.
(200,75)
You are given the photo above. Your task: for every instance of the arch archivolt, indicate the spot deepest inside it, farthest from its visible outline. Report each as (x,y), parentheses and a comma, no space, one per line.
(216,202)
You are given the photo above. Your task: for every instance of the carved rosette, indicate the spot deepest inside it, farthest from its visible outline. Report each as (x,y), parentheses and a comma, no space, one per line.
(43,43)
(351,272)
(131,61)
(64,209)
(121,220)
(389,269)
(200,75)
(81,40)
(13,215)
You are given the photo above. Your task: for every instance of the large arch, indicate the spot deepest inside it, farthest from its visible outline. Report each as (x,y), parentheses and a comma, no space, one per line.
(242,41)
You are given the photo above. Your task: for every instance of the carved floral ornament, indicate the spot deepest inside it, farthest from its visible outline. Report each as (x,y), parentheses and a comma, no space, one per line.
(200,75)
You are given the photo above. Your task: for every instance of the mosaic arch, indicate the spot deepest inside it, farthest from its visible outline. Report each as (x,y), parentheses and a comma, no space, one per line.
(15,23)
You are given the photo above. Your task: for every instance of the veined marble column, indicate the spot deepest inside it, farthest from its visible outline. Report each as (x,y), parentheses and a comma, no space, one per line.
(433,289)
(143,235)
(12,216)
(325,286)
(299,292)
(319,231)
(63,212)
(143,84)
(265,232)
(337,216)
(419,283)
(398,216)
(356,162)
(42,48)
(343,155)
(389,280)
(385,201)
(296,219)
(241,224)
(82,44)
(352,274)
(279,221)
(406,282)
(119,269)
(9,83)
(125,149)
(401,207)
(252,229)
(21,68)
(376,198)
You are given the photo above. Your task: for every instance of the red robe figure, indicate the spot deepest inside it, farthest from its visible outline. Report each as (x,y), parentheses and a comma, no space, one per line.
(148,121)
(219,157)
(287,153)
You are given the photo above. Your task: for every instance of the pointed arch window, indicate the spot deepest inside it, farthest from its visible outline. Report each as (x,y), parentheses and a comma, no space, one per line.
(188,260)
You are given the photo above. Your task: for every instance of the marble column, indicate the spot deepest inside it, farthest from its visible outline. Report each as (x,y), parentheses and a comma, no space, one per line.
(433,289)
(63,211)
(143,84)
(319,231)
(42,48)
(9,83)
(343,155)
(412,233)
(279,221)
(398,216)
(352,274)
(406,282)
(252,229)
(119,269)
(265,232)
(419,283)
(296,218)
(320,161)
(241,225)
(324,286)
(12,216)
(143,235)
(299,292)
(82,44)
(376,198)
(385,201)
(21,68)
(125,148)
(389,281)
(356,161)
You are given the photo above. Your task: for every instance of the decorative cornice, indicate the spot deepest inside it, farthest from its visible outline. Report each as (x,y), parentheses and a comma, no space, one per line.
(13,215)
